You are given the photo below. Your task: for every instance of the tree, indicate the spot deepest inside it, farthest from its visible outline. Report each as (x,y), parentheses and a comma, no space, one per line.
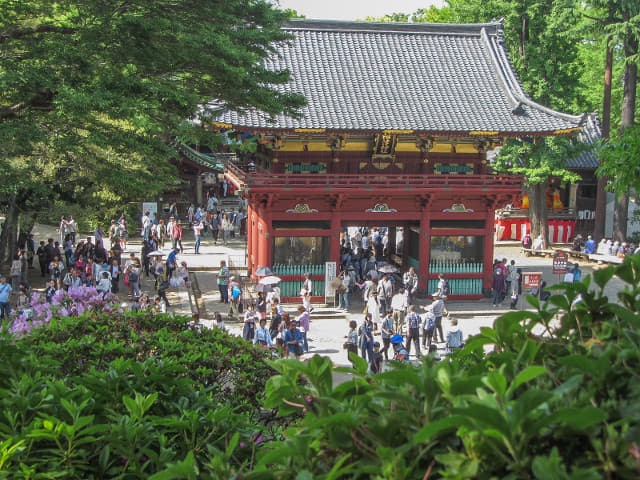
(622,25)
(542,40)
(92,93)
(539,161)
(620,162)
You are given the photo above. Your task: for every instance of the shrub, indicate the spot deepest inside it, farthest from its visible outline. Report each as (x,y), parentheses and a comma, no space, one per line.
(546,402)
(129,396)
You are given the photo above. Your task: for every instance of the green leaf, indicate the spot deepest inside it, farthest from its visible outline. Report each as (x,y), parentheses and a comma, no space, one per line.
(602,277)
(525,376)
(580,418)
(187,468)
(432,429)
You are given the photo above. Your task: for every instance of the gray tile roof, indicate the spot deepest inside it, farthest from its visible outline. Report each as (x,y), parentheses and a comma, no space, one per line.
(590,133)
(422,77)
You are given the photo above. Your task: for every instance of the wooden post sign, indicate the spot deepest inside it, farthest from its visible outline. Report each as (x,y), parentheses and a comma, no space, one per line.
(560,262)
(530,281)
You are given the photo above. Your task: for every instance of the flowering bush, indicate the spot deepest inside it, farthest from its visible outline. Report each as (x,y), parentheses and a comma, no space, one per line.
(72,303)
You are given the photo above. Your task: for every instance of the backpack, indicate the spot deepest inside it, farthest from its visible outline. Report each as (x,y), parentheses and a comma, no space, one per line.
(445,288)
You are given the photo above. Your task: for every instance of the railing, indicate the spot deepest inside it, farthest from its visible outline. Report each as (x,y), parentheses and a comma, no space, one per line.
(265,180)
(555,213)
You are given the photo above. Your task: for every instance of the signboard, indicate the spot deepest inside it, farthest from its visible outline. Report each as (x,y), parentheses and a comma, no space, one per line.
(151,207)
(330,272)
(560,261)
(531,280)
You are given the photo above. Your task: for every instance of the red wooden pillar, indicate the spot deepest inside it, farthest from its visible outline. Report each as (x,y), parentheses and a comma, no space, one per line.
(423,238)
(334,239)
(254,236)
(488,250)
(268,241)
(262,243)
(250,238)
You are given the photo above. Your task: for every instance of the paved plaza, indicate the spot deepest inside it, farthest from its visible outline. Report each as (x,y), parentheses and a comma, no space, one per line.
(329,325)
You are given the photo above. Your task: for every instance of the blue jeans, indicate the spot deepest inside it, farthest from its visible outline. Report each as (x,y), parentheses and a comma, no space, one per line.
(305,345)
(497,296)
(343,300)
(198,244)
(5,310)
(367,349)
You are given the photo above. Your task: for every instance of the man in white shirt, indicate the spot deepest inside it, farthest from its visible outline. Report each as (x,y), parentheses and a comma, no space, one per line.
(399,305)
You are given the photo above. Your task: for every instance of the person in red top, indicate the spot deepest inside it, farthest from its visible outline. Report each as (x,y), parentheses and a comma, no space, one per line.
(177,236)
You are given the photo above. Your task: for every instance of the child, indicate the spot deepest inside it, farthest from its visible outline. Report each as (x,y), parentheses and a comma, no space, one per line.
(262,336)
(351,345)
(401,355)
(376,364)
(428,326)
(455,338)
(249,328)
(220,322)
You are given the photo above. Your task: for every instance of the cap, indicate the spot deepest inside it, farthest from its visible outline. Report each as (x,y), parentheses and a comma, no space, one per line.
(376,344)
(368,315)
(396,339)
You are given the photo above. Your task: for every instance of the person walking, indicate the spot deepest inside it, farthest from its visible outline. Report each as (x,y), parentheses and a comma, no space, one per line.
(162,285)
(306,291)
(366,337)
(387,331)
(351,345)
(413,330)
(177,236)
(197,233)
(303,320)
(223,282)
(5,291)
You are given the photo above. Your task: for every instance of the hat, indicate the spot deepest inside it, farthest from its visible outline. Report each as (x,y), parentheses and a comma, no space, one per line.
(396,339)
(376,344)
(368,315)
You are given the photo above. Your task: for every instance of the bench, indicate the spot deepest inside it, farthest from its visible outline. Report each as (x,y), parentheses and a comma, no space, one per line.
(597,257)
(539,253)
(574,253)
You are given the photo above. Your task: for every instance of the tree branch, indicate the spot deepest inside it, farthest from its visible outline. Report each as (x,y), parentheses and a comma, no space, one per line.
(26,32)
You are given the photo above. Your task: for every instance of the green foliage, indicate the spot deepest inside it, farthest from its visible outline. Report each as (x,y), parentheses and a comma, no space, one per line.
(539,161)
(129,396)
(92,93)
(546,394)
(620,161)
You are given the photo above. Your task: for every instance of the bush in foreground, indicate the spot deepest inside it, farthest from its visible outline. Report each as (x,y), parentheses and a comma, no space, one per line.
(128,396)
(556,397)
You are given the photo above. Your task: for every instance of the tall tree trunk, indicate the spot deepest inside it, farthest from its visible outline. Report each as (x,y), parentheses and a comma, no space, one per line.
(9,235)
(601,193)
(621,211)
(538,211)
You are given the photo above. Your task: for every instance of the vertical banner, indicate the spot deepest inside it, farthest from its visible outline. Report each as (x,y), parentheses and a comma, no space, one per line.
(330,272)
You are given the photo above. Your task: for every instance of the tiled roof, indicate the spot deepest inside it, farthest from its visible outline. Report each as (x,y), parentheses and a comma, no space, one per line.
(589,134)
(421,77)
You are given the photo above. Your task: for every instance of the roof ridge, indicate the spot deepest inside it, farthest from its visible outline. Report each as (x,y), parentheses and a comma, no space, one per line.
(393,27)
(510,81)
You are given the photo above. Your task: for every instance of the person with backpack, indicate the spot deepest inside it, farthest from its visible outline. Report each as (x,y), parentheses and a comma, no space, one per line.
(443,287)
(413,330)
(162,285)
(428,327)
(236,294)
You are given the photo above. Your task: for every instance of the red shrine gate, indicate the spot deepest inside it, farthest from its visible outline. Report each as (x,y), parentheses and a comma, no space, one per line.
(448,223)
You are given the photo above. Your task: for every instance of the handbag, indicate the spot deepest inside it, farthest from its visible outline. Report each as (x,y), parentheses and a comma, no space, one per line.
(348,345)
